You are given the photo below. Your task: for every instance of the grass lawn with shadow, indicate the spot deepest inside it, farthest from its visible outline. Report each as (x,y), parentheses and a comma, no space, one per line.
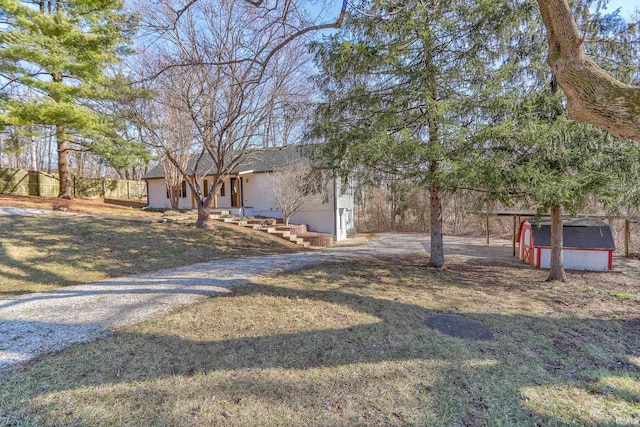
(346,343)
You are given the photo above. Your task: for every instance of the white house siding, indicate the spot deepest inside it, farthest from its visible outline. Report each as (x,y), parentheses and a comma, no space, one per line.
(258,201)
(257,198)
(223,201)
(578,259)
(158,195)
(318,214)
(343,213)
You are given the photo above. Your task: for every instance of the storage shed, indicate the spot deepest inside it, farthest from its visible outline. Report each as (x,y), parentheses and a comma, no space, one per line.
(588,244)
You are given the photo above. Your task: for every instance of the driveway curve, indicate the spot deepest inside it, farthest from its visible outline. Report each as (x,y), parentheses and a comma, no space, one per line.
(40,323)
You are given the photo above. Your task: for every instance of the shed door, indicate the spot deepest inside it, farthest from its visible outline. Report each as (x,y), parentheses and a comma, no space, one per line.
(528,247)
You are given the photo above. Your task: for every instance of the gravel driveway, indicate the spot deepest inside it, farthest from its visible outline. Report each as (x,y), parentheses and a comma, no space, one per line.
(35,324)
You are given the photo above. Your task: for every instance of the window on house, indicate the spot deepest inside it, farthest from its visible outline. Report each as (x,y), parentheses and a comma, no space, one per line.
(183,189)
(222,190)
(205,188)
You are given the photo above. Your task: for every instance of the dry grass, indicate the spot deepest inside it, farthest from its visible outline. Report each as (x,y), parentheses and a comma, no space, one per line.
(130,208)
(345,344)
(44,252)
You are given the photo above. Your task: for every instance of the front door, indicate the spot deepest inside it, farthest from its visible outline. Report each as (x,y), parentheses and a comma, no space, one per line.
(233,183)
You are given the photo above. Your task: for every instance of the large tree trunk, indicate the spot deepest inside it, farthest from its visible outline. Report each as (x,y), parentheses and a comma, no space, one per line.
(437,245)
(64,163)
(204,210)
(557,258)
(433,124)
(203,216)
(204,206)
(174,196)
(593,96)
(64,155)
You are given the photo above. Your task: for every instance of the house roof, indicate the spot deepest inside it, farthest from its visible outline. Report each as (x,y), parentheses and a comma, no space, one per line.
(578,233)
(260,160)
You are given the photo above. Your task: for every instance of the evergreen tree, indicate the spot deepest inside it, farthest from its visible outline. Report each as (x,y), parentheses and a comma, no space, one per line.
(401,83)
(54,56)
(529,150)
(539,156)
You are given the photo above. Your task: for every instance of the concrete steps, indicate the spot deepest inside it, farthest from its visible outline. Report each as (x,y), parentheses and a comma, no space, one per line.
(252,226)
(285,235)
(218,214)
(281,234)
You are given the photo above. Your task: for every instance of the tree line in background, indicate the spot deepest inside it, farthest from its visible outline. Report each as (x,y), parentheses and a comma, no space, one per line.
(415,101)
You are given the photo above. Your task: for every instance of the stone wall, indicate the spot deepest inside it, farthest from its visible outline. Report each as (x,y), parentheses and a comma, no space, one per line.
(317,239)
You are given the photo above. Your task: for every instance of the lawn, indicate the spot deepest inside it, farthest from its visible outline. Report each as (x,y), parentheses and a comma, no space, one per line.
(39,253)
(346,344)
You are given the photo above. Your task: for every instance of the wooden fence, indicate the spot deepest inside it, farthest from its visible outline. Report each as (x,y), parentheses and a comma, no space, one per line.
(108,188)
(35,183)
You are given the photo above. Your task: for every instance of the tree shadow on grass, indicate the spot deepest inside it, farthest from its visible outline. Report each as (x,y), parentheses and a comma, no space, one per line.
(468,380)
(18,273)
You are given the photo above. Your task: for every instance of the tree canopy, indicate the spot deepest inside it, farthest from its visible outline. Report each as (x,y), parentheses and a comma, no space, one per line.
(221,70)
(402,84)
(54,61)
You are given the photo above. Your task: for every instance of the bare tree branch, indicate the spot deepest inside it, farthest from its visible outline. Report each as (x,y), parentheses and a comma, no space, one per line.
(259,60)
(210,72)
(336,24)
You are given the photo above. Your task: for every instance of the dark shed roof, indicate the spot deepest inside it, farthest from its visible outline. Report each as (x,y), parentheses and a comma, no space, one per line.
(261,160)
(578,233)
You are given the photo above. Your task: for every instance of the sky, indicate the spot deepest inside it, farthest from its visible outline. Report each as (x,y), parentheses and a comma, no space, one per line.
(627,7)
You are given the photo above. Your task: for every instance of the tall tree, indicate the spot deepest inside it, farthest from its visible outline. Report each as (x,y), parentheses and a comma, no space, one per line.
(223,67)
(163,121)
(55,54)
(576,73)
(540,157)
(292,184)
(400,82)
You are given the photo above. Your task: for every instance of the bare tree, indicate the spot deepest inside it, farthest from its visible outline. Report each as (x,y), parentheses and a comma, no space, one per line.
(292,185)
(173,134)
(594,96)
(291,111)
(215,65)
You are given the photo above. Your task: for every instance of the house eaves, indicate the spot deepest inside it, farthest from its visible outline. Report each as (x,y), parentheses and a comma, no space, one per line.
(255,161)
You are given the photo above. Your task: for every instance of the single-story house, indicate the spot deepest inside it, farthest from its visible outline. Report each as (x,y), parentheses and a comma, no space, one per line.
(246,192)
(587,244)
